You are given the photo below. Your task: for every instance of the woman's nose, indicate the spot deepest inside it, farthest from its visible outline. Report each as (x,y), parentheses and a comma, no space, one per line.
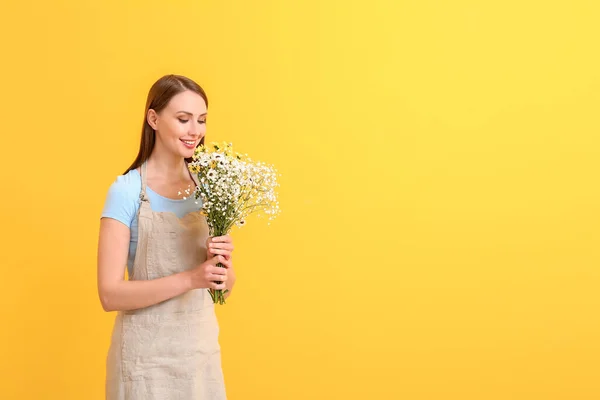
(194,130)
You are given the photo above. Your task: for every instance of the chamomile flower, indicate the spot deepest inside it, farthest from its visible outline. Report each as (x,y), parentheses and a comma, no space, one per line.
(232,186)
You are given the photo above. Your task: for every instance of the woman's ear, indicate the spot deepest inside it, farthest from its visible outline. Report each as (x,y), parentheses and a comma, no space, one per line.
(152,118)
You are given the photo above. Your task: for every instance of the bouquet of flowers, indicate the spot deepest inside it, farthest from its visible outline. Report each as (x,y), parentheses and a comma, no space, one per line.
(232,186)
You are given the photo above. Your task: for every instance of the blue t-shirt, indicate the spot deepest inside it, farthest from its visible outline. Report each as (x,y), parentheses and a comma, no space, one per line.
(123,202)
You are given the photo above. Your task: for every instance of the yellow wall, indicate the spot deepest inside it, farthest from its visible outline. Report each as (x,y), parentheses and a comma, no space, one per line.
(440,160)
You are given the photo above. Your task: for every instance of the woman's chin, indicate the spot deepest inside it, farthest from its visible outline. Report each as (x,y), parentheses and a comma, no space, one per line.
(185,151)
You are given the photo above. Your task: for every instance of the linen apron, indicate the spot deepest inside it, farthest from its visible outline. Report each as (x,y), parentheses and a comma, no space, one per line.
(169,350)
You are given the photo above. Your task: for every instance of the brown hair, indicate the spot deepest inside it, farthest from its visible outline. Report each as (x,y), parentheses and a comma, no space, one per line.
(159,96)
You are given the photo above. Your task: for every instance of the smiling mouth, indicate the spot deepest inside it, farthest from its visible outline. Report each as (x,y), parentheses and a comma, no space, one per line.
(188,143)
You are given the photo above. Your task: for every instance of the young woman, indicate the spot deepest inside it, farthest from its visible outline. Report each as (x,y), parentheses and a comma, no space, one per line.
(165,338)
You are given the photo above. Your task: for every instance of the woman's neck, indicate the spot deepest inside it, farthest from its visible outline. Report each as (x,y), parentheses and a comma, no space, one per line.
(167,166)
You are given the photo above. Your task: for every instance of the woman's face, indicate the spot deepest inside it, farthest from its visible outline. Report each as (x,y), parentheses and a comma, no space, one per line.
(181,124)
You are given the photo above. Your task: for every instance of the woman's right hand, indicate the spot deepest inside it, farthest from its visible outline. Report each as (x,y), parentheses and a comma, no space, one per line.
(207,274)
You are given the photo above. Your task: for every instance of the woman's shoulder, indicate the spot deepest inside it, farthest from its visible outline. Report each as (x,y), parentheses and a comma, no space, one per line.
(130,181)
(122,199)
(127,186)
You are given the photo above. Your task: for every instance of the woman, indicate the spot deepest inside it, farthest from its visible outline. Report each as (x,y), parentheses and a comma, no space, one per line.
(165,339)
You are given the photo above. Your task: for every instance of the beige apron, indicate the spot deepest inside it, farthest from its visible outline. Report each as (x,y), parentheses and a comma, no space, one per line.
(169,350)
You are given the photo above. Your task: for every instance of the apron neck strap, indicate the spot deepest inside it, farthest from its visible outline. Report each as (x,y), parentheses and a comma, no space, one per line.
(143,196)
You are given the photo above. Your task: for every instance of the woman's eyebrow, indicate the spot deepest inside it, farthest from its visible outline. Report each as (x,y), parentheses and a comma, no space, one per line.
(191,114)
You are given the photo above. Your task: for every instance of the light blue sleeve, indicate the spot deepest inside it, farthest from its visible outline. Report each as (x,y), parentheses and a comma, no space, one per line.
(122,200)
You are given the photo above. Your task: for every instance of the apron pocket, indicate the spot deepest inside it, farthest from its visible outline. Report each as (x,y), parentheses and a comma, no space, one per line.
(173,346)
(162,254)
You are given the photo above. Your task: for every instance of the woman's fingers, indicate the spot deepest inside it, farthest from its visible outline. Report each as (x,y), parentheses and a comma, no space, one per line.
(223,248)
(224,254)
(221,242)
(220,246)
(219,270)
(218,286)
(220,251)
(219,278)
(221,239)
(219,275)
(227,263)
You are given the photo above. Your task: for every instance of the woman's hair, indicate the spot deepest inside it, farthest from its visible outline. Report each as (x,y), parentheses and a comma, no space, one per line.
(159,96)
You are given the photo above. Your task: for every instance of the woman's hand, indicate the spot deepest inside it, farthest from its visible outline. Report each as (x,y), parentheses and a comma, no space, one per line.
(223,246)
(207,274)
(219,245)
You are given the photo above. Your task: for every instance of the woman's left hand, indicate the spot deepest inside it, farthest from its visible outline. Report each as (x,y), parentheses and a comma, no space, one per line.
(219,245)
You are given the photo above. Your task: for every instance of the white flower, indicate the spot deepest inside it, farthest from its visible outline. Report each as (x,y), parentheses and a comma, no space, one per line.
(234,188)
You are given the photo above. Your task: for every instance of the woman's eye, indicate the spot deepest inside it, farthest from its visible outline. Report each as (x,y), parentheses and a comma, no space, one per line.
(183,121)
(202,121)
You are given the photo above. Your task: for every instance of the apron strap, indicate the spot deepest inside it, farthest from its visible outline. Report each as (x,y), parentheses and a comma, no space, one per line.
(143,196)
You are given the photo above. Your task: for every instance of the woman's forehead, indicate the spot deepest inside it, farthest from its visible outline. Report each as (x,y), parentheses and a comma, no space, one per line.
(187,101)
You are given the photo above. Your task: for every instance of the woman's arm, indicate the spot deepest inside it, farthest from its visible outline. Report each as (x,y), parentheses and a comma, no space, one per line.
(118,294)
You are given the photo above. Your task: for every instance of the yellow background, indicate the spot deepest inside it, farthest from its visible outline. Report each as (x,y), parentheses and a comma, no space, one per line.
(439,161)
